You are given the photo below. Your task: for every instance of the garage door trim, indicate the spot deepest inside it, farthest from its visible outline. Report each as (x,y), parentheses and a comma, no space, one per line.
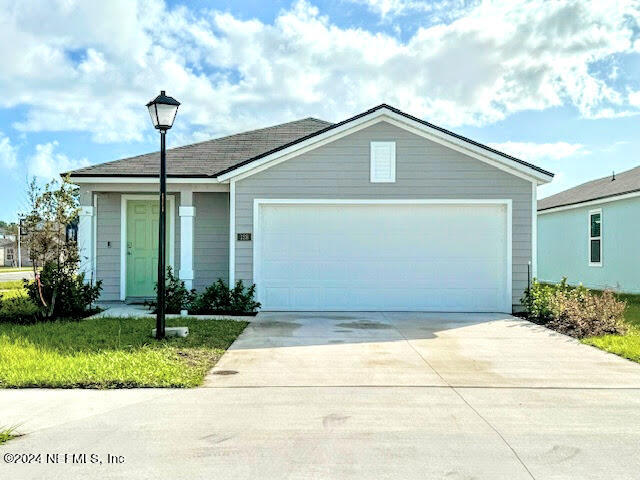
(259,202)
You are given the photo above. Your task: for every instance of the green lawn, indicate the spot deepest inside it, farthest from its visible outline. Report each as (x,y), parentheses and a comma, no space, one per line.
(11,284)
(627,345)
(110,353)
(13,288)
(14,292)
(15,269)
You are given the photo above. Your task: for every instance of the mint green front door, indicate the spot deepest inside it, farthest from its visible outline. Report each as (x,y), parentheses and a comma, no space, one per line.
(142,246)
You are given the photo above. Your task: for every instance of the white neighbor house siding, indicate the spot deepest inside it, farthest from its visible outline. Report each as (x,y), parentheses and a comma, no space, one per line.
(424,170)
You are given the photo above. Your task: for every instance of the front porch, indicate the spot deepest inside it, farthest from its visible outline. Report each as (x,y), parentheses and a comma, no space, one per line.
(198,227)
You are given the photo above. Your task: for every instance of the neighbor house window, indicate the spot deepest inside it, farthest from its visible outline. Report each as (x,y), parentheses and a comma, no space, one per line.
(9,253)
(595,238)
(383,162)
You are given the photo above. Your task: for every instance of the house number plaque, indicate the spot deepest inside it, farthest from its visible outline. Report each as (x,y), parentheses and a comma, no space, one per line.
(244,237)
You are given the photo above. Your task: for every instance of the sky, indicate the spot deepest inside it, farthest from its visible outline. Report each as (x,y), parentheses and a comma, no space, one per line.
(554,83)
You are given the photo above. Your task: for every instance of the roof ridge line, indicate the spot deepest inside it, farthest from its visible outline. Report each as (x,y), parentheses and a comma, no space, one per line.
(397,111)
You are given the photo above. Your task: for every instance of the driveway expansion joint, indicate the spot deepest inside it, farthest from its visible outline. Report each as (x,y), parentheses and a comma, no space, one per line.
(489,424)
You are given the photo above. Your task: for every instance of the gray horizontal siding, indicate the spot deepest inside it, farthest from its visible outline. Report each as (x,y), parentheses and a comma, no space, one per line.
(424,169)
(211,238)
(108,243)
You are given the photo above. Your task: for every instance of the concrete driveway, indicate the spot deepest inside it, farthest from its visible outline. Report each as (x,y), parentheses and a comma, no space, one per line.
(414,349)
(365,395)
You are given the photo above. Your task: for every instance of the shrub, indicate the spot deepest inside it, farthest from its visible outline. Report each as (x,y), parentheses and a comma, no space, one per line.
(18,310)
(537,299)
(220,299)
(61,292)
(177,297)
(581,313)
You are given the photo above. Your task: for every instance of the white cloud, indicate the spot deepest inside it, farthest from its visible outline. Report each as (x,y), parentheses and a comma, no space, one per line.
(91,66)
(47,164)
(8,153)
(634,98)
(531,151)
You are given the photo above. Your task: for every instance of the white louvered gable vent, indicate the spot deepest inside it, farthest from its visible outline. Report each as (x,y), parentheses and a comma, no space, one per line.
(383,162)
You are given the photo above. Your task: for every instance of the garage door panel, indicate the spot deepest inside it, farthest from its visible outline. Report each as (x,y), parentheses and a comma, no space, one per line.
(430,274)
(312,298)
(382,257)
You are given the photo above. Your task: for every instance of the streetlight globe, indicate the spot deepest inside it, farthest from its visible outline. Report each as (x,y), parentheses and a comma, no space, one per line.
(162,110)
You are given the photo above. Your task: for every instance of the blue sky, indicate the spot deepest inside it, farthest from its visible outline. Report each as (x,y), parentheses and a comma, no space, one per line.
(555,83)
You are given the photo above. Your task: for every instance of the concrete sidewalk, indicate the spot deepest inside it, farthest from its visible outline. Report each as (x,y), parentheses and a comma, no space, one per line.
(356,396)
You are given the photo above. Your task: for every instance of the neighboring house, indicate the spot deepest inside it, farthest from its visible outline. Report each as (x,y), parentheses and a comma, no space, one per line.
(9,253)
(382,211)
(7,236)
(590,234)
(6,252)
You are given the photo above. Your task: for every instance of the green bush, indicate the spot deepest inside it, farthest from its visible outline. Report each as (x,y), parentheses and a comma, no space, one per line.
(176,298)
(217,299)
(18,310)
(575,311)
(220,299)
(537,299)
(61,293)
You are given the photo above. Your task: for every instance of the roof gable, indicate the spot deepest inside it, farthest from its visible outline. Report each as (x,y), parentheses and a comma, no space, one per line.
(246,153)
(403,120)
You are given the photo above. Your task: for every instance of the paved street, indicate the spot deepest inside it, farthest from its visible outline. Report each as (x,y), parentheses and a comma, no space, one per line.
(7,276)
(365,395)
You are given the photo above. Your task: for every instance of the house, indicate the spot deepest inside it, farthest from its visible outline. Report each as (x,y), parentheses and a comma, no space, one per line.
(9,252)
(590,233)
(382,211)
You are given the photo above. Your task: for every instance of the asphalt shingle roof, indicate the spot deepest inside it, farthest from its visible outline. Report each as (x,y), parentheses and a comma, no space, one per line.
(221,155)
(625,182)
(208,158)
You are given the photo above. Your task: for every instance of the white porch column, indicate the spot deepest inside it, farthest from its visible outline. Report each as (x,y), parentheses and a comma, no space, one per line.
(85,241)
(187,214)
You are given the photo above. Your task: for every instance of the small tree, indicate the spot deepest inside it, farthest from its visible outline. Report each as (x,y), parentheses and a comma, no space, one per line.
(51,208)
(58,289)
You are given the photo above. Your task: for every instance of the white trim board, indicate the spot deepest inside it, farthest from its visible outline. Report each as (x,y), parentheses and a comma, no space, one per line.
(232,233)
(258,202)
(94,271)
(534,231)
(123,235)
(595,211)
(386,115)
(589,203)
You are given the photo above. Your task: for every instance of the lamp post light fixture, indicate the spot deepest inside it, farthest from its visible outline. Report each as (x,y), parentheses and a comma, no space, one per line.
(163,111)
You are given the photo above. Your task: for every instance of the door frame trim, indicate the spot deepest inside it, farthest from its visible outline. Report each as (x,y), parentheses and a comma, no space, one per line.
(259,202)
(124,198)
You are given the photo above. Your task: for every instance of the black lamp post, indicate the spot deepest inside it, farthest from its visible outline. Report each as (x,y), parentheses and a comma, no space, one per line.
(163,111)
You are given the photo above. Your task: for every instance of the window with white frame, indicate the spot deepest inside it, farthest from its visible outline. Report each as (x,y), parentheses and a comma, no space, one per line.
(383,162)
(9,254)
(595,238)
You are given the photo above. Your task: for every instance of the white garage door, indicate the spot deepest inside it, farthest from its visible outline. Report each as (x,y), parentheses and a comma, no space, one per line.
(381,256)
